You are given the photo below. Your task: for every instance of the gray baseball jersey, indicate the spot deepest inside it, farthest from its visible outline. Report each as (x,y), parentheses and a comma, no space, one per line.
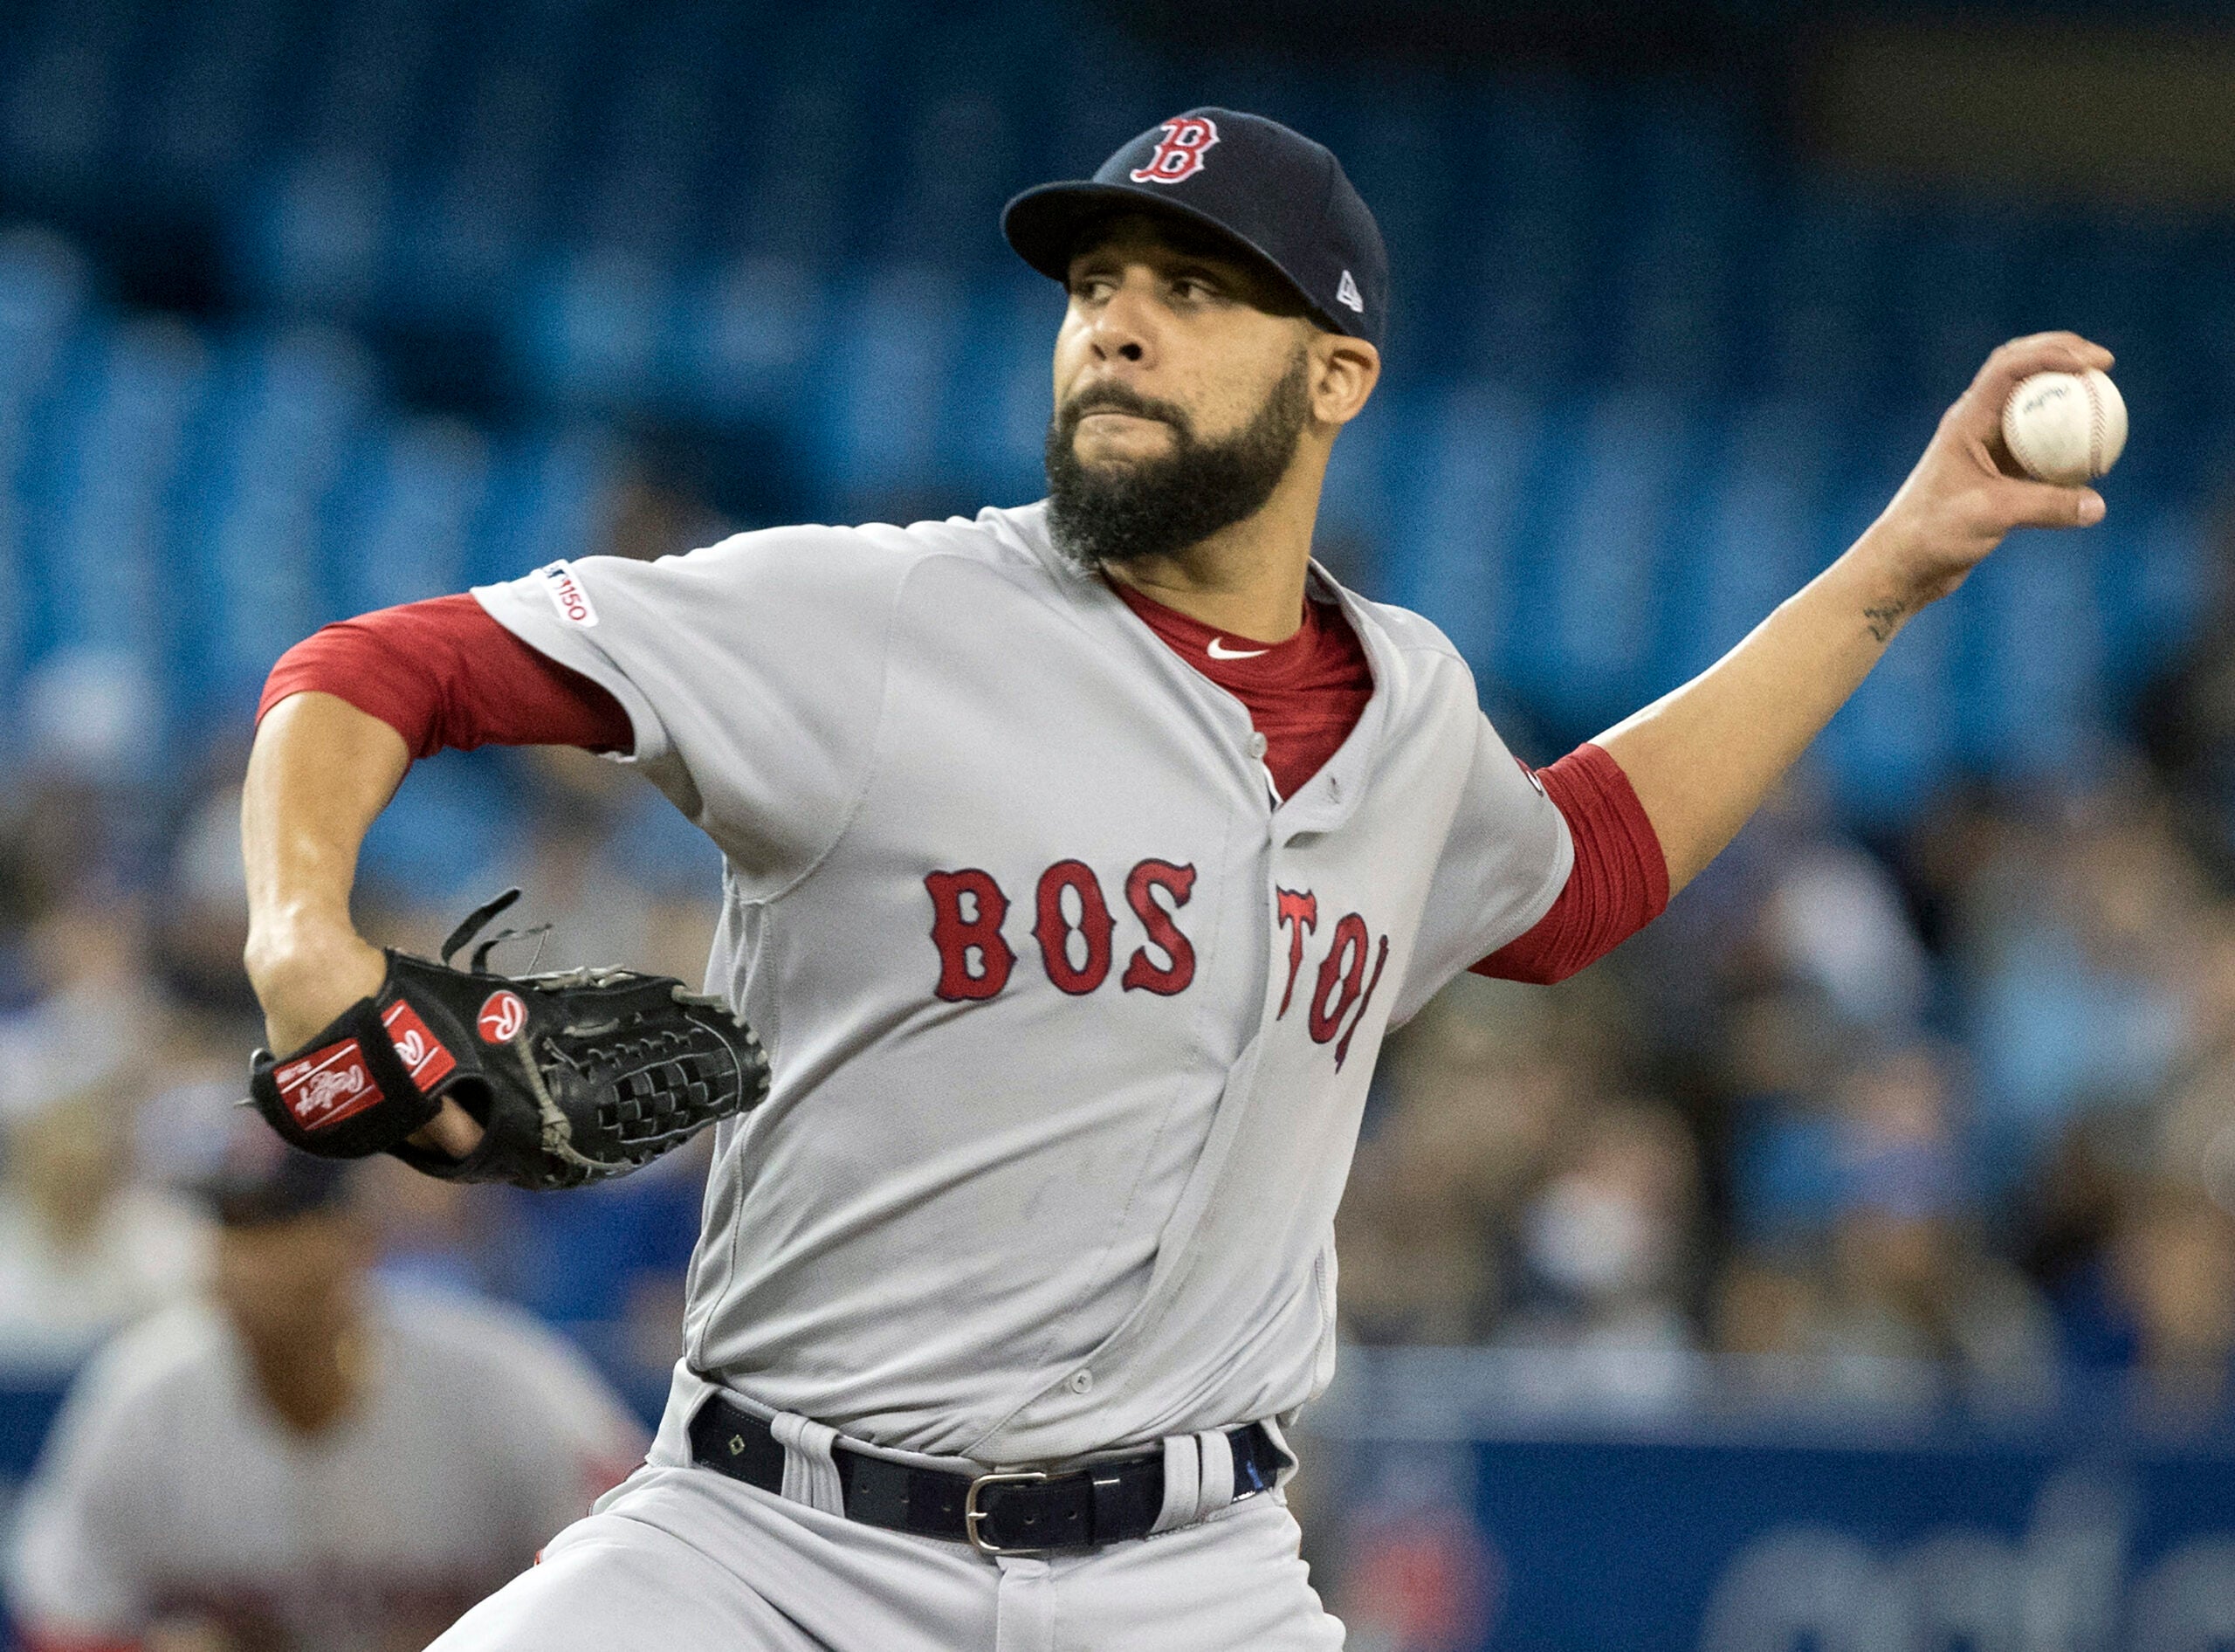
(1071,1024)
(168,1489)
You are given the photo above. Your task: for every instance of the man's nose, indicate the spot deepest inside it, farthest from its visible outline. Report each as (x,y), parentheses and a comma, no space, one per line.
(1124,330)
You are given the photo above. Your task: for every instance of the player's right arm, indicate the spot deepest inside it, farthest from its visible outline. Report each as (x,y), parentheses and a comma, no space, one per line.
(319,774)
(344,715)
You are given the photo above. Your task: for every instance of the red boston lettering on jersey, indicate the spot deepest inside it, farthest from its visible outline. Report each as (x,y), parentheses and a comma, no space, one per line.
(1299,911)
(1055,930)
(502,1016)
(1342,978)
(328,1085)
(958,934)
(1179,152)
(1178,883)
(1380,958)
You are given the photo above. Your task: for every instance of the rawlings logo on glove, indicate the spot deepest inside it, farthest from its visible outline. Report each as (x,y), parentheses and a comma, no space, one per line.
(326,1086)
(574,1075)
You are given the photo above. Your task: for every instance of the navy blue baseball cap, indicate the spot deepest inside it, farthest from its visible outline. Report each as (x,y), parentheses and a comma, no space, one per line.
(1253,180)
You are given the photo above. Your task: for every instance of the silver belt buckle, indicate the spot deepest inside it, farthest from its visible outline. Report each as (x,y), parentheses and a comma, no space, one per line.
(973,1516)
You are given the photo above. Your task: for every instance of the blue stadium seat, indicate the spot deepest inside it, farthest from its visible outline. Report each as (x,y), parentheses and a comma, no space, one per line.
(2034,704)
(1591,597)
(311,240)
(878,398)
(42,294)
(104,556)
(445,841)
(1001,392)
(551,497)
(286,416)
(741,336)
(409,526)
(1453,536)
(590,328)
(1750,540)
(195,137)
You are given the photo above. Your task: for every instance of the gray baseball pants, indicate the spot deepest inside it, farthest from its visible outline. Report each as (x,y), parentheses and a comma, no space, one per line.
(682,1559)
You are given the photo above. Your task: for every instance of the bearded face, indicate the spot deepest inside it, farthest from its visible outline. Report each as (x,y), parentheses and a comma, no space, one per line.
(1123,510)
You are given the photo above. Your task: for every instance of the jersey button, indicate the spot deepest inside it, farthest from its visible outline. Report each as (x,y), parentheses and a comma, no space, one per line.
(1082,1381)
(1257,744)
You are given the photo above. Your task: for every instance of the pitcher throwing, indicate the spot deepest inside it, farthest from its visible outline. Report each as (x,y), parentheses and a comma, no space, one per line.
(1079,857)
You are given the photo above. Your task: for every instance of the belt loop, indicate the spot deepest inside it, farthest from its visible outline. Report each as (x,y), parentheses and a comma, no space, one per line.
(1217,1491)
(810,1472)
(1183,1481)
(1024,1605)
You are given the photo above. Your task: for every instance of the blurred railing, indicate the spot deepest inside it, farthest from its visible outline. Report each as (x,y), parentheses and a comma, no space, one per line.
(1608,1501)
(1578,1501)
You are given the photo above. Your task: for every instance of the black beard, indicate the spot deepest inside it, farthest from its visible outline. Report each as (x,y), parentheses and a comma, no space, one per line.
(1123,512)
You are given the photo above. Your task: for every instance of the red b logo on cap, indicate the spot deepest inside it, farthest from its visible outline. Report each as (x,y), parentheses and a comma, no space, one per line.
(1179,152)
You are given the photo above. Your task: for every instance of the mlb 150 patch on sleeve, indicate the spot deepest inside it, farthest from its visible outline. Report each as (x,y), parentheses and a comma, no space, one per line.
(568,599)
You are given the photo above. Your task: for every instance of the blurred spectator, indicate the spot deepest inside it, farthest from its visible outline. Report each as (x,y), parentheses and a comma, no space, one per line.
(203,920)
(1906,1278)
(1609,1239)
(1476,1099)
(2071,935)
(2172,1271)
(2186,720)
(84,1248)
(1834,920)
(95,1013)
(340,1466)
(618,875)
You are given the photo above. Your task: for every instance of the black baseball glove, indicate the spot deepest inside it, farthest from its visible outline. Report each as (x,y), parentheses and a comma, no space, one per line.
(574,1075)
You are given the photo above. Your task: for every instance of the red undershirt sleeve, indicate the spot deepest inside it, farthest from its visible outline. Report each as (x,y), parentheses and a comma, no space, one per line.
(444,674)
(1619,882)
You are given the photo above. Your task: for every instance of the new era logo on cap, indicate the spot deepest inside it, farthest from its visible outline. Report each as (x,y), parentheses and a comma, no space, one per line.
(1347,294)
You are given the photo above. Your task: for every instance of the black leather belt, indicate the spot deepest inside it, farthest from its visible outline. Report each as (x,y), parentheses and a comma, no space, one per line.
(1007,1511)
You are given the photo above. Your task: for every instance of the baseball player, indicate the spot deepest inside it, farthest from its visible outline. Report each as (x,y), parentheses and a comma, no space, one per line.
(1078,857)
(305,1461)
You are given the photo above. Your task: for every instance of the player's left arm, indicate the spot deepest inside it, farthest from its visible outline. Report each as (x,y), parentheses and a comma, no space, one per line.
(1701,758)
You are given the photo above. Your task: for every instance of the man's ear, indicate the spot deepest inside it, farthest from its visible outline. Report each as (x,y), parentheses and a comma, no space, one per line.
(1344,371)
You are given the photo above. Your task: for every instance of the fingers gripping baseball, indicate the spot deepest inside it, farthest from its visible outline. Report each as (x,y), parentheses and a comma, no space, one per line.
(1968,492)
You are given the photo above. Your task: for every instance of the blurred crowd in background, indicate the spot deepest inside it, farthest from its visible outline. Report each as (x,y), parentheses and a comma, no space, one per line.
(128,1023)
(1945,1112)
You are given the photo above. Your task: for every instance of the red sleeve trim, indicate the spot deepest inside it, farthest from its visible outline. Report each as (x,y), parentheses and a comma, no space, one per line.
(444,674)
(1618,883)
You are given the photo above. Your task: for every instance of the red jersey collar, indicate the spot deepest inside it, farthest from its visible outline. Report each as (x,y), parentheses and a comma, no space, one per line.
(1234,661)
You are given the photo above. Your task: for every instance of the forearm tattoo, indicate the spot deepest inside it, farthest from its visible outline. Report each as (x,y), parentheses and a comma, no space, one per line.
(1884,621)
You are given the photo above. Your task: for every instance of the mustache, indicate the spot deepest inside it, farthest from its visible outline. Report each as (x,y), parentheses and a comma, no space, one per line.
(1121,398)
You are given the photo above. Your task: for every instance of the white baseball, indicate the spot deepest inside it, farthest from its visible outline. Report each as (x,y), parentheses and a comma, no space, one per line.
(2065,428)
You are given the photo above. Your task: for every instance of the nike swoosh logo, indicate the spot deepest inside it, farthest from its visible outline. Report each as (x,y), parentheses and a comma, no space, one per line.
(1219,650)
